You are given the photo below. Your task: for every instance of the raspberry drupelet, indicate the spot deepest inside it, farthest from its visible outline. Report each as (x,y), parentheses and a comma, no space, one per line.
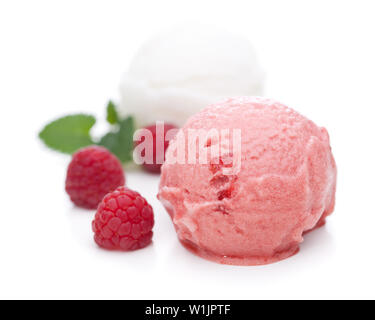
(124,221)
(92,173)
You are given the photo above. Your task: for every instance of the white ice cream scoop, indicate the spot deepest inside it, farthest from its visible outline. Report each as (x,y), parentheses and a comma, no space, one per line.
(180,71)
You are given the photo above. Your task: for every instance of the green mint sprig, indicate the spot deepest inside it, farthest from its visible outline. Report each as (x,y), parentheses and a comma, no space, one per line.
(69,133)
(112,116)
(72,132)
(120,141)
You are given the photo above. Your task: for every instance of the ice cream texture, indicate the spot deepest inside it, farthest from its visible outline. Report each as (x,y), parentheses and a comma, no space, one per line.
(284,188)
(181,70)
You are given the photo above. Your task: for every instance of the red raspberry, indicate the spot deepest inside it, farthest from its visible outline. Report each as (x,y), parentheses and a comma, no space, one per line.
(154,167)
(124,221)
(92,173)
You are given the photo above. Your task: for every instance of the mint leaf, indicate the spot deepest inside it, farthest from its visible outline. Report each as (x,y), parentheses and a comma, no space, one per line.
(112,116)
(68,134)
(120,142)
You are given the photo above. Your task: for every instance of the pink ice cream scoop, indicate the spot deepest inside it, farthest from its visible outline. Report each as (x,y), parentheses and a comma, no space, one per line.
(283,186)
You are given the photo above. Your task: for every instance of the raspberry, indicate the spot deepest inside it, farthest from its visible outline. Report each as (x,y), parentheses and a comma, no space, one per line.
(124,221)
(92,173)
(153,166)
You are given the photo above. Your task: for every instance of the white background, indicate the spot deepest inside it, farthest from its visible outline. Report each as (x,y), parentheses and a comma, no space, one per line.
(66,56)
